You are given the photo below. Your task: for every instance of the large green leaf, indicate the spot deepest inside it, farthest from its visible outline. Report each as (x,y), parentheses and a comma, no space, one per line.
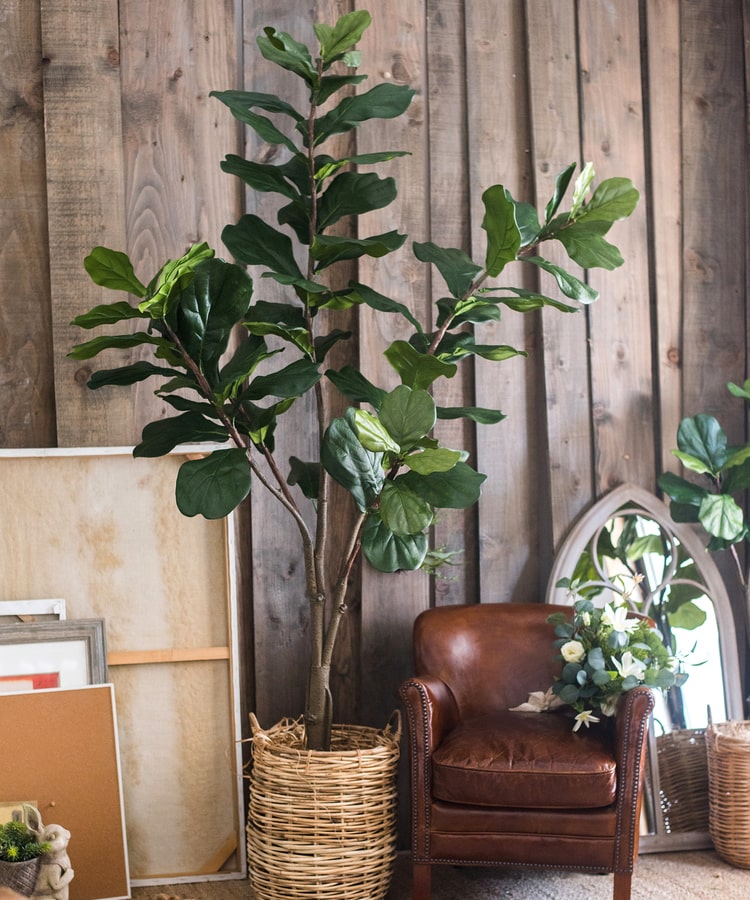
(688,616)
(362,293)
(570,285)
(613,199)
(260,176)
(353,384)
(255,243)
(439,459)
(372,434)
(503,236)
(213,486)
(280,48)
(389,552)
(174,276)
(249,354)
(293,380)
(458,488)
(481,415)
(328,249)
(384,101)
(345,459)
(456,267)
(584,243)
(163,435)
(91,348)
(722,517)
(207,310)
(407,415)
(680,490)
(280,319)
(108,314)
(127,375)
(403,511)
(703,437)
(352,194)
(417,370)
(112,269)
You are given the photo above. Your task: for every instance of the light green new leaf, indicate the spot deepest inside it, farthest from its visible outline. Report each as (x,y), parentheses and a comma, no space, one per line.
(692,463)
(372,434)
(737,391)
(174,276)
(722,517)
(213,486)
(113,269)
(337,39)
(428,461)
(407,415)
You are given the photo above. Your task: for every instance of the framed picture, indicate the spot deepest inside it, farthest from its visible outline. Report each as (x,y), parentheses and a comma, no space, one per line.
(63,654)
(14,611)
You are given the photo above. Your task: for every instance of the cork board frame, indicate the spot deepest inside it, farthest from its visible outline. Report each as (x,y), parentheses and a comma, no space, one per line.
(102,529)
(67,758)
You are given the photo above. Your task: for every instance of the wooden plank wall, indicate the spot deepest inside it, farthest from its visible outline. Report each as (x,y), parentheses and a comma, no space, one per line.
(108,136)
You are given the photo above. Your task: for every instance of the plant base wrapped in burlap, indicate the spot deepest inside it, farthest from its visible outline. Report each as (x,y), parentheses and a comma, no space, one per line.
(20,876)
(683,779)
(728,750)
(322,825)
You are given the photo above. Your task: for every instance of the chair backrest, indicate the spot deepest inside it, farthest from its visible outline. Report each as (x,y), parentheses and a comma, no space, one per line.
(491,655)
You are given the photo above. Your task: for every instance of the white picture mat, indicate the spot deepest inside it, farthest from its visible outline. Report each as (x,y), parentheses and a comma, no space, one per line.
(67,658)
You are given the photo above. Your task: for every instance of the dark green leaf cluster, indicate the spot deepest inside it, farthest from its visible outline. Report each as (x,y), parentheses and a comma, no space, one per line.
(605,652)
(703,449)
(235,393)
(18,844)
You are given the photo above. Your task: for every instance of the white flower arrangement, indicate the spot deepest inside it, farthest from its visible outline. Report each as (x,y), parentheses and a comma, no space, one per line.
(607,651)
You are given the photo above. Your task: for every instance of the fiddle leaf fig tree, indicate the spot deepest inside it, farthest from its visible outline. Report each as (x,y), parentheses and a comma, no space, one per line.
(382,450)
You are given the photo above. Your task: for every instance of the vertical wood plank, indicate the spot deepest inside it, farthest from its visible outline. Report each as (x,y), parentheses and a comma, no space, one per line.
(449,227)
(80,44)
(622,385)
(664,153)
(553,84)
(27,408)
(393,49)
(509,452)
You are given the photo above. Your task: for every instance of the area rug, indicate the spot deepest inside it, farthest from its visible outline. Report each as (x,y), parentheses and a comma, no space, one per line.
(695,875)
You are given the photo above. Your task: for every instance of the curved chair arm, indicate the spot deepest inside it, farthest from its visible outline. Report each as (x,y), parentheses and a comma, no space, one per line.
(431,712)
(633,713)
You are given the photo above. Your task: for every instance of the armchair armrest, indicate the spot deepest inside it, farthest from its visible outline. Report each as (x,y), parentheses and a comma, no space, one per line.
(631,730)
(431,712)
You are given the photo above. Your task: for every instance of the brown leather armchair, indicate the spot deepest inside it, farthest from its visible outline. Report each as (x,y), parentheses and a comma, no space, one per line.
(495,787)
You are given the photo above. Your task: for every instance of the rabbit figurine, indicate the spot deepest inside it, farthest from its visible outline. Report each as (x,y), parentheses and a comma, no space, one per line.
(56,873)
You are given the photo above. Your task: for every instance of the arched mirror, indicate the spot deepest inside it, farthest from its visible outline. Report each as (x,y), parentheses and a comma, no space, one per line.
(628,544)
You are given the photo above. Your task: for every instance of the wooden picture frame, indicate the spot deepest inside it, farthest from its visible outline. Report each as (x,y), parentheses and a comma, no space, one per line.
(65,654)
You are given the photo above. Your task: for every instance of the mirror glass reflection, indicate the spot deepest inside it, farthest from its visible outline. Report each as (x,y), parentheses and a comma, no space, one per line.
(627,545)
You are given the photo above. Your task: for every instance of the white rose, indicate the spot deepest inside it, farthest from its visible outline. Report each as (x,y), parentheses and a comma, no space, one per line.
(572,651)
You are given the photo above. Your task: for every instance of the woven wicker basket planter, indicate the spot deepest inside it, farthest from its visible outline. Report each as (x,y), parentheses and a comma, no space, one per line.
(683,779)
(728,748)
(20,876)
(322,825)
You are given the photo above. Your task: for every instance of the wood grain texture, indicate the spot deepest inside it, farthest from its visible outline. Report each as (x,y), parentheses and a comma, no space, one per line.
(27,405)
(80,45)
(555,131)
(497,106)
(622,384)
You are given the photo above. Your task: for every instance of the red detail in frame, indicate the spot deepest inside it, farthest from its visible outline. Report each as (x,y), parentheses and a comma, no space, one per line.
(36,682)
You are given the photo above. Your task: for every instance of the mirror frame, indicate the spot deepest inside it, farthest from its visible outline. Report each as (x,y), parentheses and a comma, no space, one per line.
(629,498)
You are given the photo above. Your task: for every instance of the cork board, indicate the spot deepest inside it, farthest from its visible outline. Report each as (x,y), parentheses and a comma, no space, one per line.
(101,530)
(60,747)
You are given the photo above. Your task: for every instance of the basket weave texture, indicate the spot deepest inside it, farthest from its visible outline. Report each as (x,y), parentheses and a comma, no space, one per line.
(728,746)
(20,876)
(683,779)
(322,825)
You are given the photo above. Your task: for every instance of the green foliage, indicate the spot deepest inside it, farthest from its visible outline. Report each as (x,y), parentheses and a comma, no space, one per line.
(605,653)
(385,457)
(18,844)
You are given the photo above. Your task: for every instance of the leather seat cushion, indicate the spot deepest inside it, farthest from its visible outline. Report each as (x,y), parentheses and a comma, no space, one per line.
(527,761)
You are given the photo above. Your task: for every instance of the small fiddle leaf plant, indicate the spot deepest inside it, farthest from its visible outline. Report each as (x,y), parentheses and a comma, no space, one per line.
(382,450)
(715,501)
